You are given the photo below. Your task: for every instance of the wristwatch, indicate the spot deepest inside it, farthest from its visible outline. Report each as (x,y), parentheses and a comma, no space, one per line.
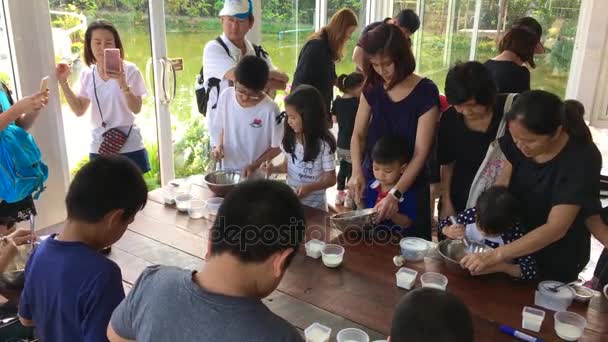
(396,194)
(126,89)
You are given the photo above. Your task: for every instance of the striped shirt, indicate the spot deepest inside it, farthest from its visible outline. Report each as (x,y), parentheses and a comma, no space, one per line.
(300,172)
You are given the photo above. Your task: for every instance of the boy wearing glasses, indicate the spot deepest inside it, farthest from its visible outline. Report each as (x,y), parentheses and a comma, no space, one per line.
(246,120)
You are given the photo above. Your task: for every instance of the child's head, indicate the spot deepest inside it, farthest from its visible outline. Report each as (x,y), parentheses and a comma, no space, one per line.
(426,314)
(261,224)
(390,156)
(351,84)
(107,192)
(497,211)
(251,76)
(307,118)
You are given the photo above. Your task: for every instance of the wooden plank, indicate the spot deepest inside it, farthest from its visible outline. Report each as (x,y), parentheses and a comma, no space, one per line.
(156,252)
(130,265)
(169,215)
(170,235)
(301,315)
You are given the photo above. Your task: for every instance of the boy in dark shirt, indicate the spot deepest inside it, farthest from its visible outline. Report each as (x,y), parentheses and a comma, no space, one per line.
(70,288)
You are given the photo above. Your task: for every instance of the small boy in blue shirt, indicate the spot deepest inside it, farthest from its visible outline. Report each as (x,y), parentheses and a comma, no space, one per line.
(70,288)
(390,157)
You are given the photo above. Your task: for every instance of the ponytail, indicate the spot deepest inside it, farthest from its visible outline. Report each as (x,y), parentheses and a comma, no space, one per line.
(350,81)
(340,82)
(574,122)
(543,113)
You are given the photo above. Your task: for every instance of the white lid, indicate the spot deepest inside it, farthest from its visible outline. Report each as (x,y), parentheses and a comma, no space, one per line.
(563,292)
(414,244)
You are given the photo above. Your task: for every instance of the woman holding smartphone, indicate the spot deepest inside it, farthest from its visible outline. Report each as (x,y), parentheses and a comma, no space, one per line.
(115,89)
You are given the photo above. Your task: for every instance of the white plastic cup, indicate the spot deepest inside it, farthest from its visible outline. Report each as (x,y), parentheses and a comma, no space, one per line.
(352,335)
(406,277)
(213,206)
(197,209)
(434,280)
(317,332)
(569,326)
(332,255)
(182,201)
(313,248)
(532,318)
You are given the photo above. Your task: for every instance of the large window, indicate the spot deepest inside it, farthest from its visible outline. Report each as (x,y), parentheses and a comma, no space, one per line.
(346,65)
(448,31)
(6,65)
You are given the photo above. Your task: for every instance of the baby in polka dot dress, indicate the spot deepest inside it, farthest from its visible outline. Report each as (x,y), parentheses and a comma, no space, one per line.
(493,222)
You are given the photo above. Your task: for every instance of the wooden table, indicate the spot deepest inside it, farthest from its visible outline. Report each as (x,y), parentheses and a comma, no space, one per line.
(360,293)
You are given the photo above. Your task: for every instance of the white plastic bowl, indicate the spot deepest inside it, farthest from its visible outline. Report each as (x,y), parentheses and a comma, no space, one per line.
(434,280)
(414,249)
(332,255)
(182,202)
(569,326)
(197,209)
(352,335)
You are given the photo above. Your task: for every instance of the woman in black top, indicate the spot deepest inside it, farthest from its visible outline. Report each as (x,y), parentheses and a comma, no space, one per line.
(508,68)
(465,131)
(344,109)
(316,63)
(555,175)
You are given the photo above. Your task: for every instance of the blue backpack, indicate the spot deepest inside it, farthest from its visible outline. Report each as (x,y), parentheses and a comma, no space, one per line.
(22,172)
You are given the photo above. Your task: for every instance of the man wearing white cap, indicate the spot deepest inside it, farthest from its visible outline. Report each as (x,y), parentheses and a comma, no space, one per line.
(221,55)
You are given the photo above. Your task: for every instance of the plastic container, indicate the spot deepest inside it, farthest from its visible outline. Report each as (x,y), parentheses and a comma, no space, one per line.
(169,193)
(313,248)
(414,249)
(569,326)
(583,294)
(332,255)
(555,301)
(317,332)
(532,319)
(352,335)
(197,209)
(213,206)
(434,280)
(406,277)
(182,202)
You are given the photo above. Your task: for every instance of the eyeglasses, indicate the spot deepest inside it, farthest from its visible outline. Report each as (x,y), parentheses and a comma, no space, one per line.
(254,96)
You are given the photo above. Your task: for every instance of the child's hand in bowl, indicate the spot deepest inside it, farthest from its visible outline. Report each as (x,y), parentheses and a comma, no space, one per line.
(455,231)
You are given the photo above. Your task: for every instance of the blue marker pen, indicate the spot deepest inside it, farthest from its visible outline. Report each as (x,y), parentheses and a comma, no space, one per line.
(518,334)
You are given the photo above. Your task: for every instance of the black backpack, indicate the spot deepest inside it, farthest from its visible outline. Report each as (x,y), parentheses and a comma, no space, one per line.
(202,91)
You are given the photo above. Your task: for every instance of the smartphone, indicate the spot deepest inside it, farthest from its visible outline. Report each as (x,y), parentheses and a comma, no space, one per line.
(111,58)
(44,84)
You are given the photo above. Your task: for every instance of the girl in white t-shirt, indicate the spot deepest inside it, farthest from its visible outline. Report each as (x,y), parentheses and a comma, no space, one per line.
(309,147)
(116,96)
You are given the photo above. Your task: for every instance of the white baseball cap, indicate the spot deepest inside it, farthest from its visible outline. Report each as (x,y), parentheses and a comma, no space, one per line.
(241,9)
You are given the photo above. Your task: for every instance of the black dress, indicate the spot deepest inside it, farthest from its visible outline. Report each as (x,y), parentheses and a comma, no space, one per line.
(316,67)
(570,178)
(509,77)
(465,148)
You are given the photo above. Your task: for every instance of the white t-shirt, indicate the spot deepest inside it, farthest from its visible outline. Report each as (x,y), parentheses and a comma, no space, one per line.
(116,112)
(216,62)
(300,172)
(248,132)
